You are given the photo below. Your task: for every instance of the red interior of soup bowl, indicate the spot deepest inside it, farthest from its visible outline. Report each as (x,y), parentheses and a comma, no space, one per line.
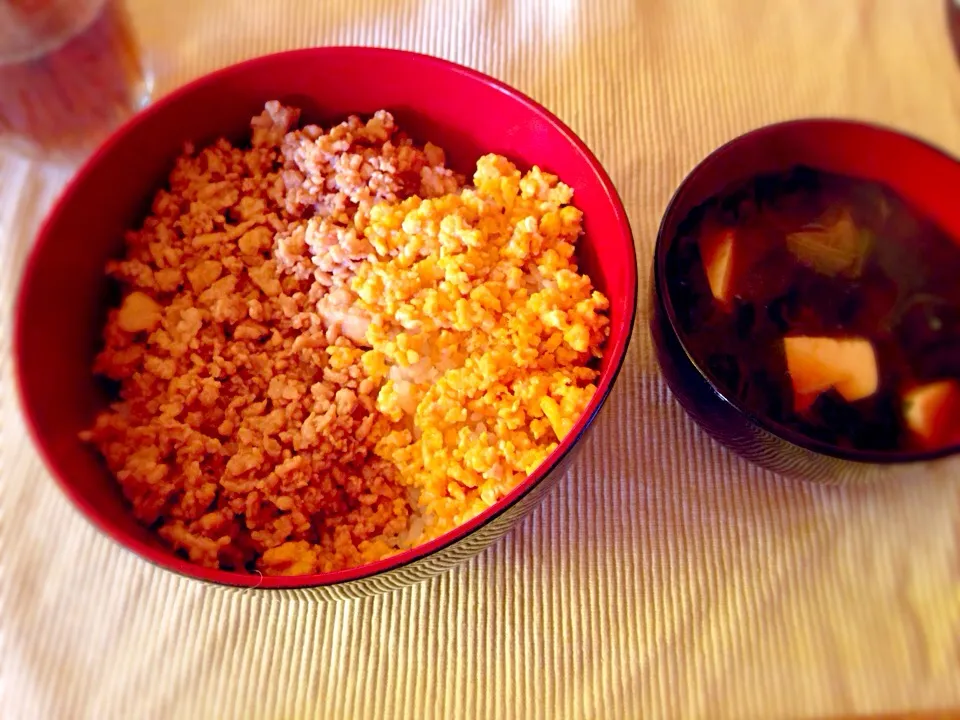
(923,175)
(62,300)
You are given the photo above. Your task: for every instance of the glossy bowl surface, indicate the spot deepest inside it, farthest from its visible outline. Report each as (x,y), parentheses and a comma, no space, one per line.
(62,300)
(922,174)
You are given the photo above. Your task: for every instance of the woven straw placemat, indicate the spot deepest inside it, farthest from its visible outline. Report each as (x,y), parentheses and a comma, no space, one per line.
(665,577)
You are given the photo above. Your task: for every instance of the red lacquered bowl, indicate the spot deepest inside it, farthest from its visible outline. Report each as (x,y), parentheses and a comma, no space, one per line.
(923,175)
(62,300)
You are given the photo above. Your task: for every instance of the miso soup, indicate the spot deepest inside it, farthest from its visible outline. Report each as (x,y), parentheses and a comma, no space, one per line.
(826,304)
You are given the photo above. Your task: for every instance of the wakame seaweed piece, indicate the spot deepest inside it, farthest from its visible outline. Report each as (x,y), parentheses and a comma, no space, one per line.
(834,412)
(725,368)
(939,360)
(767,188)
(782,311)
(848,305)
(877,425)
(690,225)
(745,314)
(684,269)
(736,207)
(801,178)
(765,393)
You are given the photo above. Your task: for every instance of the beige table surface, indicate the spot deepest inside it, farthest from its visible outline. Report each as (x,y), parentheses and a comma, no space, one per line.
(665,577)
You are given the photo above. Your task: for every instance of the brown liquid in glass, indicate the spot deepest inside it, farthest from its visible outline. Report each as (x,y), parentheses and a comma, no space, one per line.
(70,72)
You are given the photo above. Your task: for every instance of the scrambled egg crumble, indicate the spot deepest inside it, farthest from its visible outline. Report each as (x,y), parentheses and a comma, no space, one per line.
(330,348)
(482,329)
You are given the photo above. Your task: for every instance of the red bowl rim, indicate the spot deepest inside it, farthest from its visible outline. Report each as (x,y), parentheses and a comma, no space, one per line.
(660,283)
(161,557)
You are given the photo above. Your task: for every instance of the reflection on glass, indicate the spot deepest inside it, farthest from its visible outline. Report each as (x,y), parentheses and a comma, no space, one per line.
(70,71)
(953,25)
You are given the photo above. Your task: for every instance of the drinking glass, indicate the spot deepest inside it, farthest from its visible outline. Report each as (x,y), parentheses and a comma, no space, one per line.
(70,71)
